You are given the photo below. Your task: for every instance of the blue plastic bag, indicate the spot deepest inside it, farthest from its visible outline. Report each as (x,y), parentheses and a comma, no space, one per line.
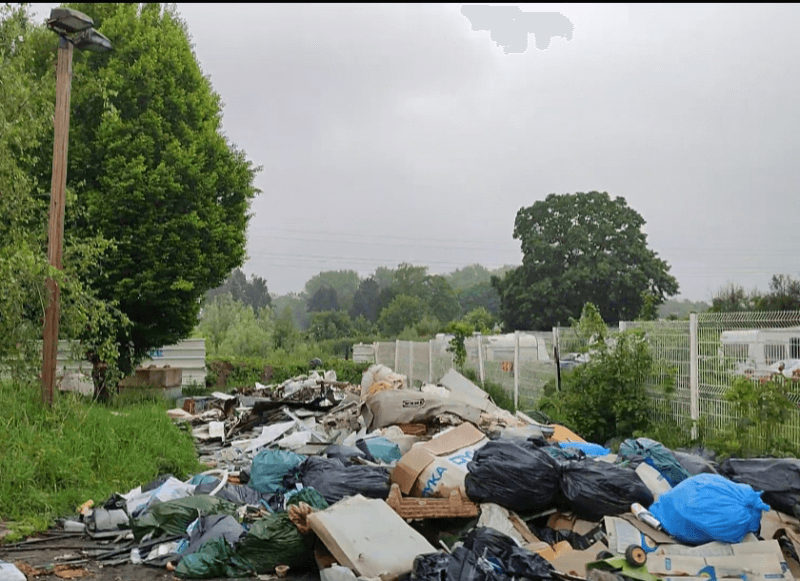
(709,507)
(656,455)
(587,448)
(269,467)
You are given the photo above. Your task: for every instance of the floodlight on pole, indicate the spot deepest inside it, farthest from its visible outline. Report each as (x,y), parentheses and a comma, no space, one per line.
(64,22)
(68,21)
(92,40)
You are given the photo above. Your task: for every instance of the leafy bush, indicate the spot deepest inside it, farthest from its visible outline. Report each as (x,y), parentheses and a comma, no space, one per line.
(763,409)
(605,398)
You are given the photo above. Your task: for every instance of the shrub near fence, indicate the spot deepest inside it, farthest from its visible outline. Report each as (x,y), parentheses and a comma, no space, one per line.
(689,356)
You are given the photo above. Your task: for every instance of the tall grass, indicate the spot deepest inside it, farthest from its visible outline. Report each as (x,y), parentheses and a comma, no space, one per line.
(53,460)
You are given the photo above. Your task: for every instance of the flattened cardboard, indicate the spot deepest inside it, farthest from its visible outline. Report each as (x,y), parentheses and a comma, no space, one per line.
(660,537)
(569,523)
(574,562)
(742,566)
(562,434)
(464,435)
(717,549)
(522,528)
(507,522)
(562,521)
(554,551)
(621,534)
(775,524)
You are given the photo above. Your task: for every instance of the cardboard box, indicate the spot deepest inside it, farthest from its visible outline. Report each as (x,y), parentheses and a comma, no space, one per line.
(438,466)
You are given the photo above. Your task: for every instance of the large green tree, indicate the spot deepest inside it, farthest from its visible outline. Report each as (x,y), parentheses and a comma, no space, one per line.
(253,292)
(482,295)
(344,282)
(433,290)
(404,311)
(324,299)
(27,99)
(579,248)
(366,302)
(153,173)
(468,276)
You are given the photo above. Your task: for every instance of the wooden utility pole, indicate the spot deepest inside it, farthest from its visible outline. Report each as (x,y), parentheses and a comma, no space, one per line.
(55,229)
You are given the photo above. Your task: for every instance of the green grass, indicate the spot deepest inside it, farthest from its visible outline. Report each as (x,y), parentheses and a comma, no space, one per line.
(55,459)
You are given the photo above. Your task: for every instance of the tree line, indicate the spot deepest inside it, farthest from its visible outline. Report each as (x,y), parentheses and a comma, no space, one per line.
(158,206)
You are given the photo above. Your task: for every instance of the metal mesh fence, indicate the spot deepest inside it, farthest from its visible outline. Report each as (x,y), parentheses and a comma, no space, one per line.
(490,357)
(727,346)
(753,345)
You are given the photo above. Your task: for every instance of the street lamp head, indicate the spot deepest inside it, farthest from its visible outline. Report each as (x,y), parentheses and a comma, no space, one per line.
(68,21)
(93,41)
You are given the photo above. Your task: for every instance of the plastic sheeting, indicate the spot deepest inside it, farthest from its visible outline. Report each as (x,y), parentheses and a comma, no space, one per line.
(512,475)
(779,478)
(595,489)
(174,516)
(335,480)
(269,468)
(709,507)
(656,455)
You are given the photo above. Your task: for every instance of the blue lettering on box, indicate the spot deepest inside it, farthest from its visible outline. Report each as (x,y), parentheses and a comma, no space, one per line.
(437,475)
(463,458)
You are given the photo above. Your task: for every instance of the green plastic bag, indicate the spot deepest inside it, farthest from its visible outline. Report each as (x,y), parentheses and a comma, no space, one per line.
(310,496)
(216,558)
(269,467)
(172,517)
(275,541)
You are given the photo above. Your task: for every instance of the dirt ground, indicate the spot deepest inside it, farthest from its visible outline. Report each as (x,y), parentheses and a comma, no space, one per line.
(44,558)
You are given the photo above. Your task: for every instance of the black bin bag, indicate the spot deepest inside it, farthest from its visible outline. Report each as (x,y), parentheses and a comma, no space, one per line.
(695,464)
(779,478)
(431,567)
(593,489)
(335,480)
(513,476)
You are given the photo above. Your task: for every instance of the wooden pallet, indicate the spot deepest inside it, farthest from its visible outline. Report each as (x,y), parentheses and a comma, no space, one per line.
(457,505)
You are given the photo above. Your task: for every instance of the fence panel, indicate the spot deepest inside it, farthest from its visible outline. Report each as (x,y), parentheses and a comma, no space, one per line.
(750,344)
(729,345)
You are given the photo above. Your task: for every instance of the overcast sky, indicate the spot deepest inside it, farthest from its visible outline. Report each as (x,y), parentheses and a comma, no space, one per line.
(394,133)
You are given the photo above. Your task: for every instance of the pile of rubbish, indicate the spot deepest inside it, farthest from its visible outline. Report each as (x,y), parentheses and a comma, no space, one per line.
(383,481)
